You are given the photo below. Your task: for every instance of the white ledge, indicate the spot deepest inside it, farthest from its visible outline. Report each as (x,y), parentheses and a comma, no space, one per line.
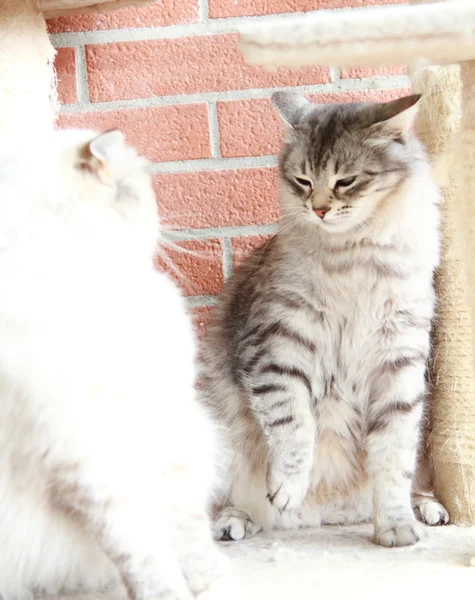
(56,8)
(411,35)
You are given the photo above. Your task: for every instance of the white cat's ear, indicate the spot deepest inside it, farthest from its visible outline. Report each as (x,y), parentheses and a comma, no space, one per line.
(290,105)
(399,115)
(106,144)
(101,151)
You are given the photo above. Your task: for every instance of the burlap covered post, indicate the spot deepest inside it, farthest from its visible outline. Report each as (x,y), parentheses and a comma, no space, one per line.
(452,436)
(27,83)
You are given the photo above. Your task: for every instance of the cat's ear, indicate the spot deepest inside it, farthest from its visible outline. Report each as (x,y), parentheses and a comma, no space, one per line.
(398,115)
(290,105)
(106,144)
(101,150)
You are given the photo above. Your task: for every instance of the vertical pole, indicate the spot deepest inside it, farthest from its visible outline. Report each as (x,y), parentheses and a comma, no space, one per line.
(452,436)
(27,83)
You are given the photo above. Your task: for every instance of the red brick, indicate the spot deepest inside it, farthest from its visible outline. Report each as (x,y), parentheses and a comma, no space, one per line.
(249,128)
(217,198)
(234,8)
(253,127)
(198,269)
(190,65)
(165,12)
(242,247)
(201,318)
(160,133)
(360,72)
(65,65)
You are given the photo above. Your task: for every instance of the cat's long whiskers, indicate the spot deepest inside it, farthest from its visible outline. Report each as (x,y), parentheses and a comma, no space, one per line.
(203,254)
(161,253)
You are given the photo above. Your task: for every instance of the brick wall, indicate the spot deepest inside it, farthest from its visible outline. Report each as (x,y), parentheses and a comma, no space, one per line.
(172,78)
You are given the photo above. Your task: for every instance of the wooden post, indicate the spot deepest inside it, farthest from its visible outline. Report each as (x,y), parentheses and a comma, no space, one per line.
(27,82)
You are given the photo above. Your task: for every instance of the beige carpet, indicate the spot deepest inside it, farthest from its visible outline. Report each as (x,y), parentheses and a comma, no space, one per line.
(340,563)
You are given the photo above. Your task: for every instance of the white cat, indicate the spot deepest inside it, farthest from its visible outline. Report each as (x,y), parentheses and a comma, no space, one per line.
(107,462)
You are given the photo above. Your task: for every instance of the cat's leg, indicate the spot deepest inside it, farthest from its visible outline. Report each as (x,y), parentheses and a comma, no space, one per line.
(426,506)
(205,568)
(134,534)
(281,398)
(394,416)
(246,510)
(124,511)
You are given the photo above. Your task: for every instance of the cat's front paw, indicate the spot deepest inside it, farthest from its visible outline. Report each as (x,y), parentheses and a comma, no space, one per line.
(286,492)
(398,534)
(223,589)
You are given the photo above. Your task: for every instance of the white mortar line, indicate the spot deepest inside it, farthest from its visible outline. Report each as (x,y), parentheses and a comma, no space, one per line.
(214,164)
(199,301)
(82,83)
(219,232)
(342,85)
(204,10)
(214,133)
(228,262)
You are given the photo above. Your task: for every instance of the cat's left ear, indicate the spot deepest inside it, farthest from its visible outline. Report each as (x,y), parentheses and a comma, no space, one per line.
(398,115)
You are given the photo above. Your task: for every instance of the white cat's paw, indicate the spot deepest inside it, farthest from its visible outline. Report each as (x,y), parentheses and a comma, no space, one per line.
(224,589)
(433,513)
(16,594)
(233,524)
(397,534)
(287,492)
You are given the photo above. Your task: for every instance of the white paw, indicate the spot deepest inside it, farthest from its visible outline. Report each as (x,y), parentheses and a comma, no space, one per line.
(223,589)
(287,492)
(233,525)
(433,513)
(17,594)
(396,534)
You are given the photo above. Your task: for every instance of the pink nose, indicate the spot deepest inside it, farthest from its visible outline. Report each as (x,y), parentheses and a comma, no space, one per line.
(320,212)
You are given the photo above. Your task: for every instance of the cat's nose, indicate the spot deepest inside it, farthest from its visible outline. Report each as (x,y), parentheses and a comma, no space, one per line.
(321,212)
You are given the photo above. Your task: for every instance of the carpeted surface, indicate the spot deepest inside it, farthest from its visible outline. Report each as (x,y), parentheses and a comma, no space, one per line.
(340,563)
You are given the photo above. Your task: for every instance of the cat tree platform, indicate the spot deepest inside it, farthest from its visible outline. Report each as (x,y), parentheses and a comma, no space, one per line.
(60,8)
(340,563)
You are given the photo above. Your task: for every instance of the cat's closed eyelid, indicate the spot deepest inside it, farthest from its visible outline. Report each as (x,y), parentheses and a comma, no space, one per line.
(304,182)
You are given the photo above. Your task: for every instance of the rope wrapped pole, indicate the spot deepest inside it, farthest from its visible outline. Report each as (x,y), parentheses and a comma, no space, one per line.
(452,438)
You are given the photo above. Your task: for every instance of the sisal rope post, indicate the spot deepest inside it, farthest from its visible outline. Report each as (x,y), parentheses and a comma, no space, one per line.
(27,82)
(452,438)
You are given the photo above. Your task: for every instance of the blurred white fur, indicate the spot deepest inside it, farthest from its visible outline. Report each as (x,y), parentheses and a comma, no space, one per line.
(107,462)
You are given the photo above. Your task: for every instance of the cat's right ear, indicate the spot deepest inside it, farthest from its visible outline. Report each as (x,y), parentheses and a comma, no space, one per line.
(290,105)
(101,151)
(106,144)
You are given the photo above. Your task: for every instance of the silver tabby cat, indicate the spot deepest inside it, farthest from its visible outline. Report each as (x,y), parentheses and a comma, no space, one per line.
(316,357)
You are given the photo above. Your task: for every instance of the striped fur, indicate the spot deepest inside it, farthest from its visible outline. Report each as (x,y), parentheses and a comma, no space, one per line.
(316,356)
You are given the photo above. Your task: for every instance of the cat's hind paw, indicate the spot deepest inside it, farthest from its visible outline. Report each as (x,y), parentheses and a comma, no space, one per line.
(233,524)
(432,512)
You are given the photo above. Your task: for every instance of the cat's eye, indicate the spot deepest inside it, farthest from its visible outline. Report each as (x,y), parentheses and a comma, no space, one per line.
(345,182)
(306,183)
